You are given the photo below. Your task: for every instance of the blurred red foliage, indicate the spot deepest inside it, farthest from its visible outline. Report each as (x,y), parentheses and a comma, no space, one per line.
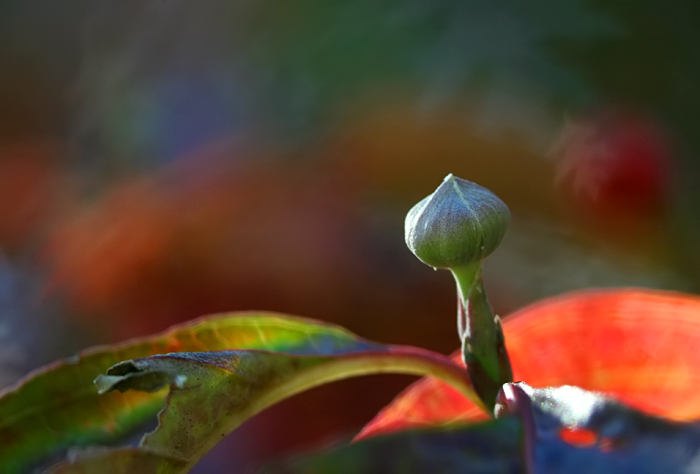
(616,171)
(31,190)
(205,237)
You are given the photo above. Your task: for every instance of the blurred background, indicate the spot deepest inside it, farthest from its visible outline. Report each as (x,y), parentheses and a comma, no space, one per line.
(165,159)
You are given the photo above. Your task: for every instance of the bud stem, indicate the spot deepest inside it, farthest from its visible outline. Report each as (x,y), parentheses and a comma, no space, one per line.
(483,343)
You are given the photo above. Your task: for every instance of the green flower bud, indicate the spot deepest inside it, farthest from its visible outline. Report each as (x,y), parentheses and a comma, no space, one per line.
(459,224)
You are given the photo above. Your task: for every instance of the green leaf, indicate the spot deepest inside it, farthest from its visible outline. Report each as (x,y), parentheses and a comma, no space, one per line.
(212,393)
(58,407)
(123,461)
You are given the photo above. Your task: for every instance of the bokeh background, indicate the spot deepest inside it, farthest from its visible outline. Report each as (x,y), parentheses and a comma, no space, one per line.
(165,159)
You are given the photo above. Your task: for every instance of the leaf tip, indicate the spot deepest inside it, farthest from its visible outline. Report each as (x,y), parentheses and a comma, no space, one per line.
(107,383)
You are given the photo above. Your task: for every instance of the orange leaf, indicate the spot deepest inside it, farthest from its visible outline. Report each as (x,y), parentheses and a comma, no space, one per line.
(639,346)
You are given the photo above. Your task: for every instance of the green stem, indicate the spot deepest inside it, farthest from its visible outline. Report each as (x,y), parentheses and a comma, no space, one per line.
(483,344)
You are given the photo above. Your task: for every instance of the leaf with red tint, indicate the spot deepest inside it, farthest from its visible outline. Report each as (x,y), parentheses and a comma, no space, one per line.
(213,393)
(58,407)
(639,346)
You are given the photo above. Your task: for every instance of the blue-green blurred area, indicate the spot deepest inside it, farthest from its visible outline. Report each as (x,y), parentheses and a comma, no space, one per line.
(164,159)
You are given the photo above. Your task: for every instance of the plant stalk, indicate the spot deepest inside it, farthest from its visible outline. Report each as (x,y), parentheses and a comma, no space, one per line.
(481,334)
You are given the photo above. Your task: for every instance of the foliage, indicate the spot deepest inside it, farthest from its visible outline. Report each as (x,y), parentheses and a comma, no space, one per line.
(635,345)
(207,377)
(276,356)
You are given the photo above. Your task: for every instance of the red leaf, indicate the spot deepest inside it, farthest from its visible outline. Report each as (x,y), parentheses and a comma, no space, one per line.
(640,346)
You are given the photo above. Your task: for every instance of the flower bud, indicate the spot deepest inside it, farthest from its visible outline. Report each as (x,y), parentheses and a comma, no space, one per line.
(459,224)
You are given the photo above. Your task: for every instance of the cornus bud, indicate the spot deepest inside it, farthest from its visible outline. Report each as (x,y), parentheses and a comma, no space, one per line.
(459,224)
(456,227)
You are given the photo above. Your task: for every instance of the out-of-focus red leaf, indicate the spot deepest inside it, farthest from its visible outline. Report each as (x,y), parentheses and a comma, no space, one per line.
(201,238)
(30,189)
(639,346)
(615,171)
